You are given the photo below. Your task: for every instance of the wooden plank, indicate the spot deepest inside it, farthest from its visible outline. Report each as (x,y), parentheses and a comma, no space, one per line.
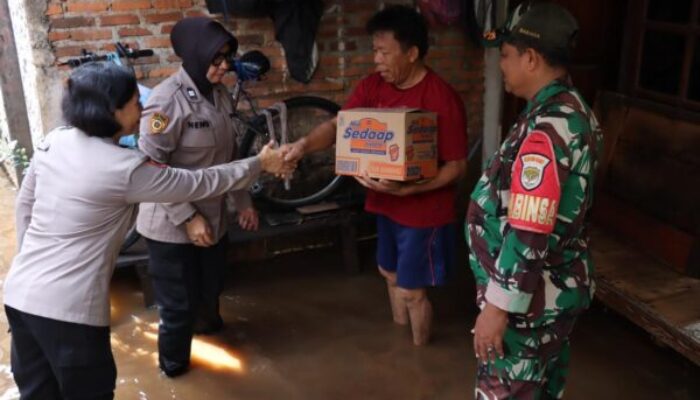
(682,309)
(658,299)
(655,238)
(648,319)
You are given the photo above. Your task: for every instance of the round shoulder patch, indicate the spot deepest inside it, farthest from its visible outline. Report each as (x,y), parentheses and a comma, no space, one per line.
(159,123)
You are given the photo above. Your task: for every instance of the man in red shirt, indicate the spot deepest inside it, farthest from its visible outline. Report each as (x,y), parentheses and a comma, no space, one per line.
(415,227)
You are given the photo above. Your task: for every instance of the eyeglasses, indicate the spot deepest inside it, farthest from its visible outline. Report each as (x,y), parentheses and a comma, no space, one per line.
(220,58)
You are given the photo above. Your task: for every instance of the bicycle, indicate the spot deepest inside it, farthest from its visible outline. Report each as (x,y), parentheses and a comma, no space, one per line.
(285,122)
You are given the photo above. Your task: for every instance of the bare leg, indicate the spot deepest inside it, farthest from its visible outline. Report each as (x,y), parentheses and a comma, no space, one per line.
(420,312)
(398,305)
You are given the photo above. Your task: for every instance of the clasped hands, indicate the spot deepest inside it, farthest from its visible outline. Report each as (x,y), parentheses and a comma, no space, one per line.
(273,161)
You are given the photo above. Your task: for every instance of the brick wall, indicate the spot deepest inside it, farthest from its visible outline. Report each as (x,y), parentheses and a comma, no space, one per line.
(344,48)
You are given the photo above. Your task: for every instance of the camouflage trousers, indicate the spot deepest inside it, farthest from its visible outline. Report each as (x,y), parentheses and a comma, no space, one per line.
(535,364)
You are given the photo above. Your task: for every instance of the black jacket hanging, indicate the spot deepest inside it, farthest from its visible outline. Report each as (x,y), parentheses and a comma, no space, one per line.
(296,23)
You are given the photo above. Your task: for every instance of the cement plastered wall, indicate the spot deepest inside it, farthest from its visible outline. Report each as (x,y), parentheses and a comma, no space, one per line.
(40,80)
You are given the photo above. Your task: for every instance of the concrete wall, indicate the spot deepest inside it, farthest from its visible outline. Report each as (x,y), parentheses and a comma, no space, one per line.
(40,79)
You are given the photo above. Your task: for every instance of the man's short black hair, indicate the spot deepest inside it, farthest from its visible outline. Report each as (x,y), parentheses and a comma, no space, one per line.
(554,57)
(93,93)
(407,25)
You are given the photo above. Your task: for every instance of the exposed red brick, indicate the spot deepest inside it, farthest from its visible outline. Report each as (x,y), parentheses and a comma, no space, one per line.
(159,17)
(84,35)
(160,4)
(355,71)
(354,31)
(449,63)
(85,7)
(119,19)
(162,42)
(166,29)
(54,9)
(72,22)
(123,32)
(130,5)
(55,36)
(341,46)
(278,62)
(367,58)
(71,51)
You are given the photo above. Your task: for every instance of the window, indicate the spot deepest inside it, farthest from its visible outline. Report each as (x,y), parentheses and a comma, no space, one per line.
(665,52)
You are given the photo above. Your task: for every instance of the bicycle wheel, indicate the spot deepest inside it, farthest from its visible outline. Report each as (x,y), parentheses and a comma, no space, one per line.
(314,178)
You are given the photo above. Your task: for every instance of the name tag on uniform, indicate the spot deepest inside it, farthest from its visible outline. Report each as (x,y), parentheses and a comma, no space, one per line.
(198,124)
(191,94)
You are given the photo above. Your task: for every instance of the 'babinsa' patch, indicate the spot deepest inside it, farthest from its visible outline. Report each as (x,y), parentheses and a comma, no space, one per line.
(535,189)
(159,123)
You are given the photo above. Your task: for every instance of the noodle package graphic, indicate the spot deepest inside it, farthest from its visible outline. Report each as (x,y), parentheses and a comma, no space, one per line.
(391,143)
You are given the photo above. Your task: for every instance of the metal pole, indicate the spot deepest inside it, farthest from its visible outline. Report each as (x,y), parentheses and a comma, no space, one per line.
(11,86)
(493,91)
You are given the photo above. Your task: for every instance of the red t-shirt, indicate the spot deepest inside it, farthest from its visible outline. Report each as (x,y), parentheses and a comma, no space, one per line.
(436,207)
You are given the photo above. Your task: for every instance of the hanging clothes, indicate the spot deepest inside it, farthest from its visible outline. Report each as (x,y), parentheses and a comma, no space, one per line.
(296,23)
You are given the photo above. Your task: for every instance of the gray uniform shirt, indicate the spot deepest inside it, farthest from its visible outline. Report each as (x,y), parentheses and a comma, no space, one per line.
(181,128)
(73,210)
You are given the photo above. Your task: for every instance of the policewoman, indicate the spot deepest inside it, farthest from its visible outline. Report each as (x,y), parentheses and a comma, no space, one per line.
(187,123)
(75,205)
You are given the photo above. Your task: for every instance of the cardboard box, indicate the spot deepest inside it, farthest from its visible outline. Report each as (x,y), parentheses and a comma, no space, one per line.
(391,143)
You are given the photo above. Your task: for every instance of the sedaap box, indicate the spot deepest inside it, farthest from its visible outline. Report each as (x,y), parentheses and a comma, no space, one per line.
(391,143)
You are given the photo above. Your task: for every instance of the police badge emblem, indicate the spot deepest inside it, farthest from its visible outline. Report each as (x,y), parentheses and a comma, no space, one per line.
(533,170)
(158,123)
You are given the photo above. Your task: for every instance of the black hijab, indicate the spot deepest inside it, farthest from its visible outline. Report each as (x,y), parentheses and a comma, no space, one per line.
(196,40)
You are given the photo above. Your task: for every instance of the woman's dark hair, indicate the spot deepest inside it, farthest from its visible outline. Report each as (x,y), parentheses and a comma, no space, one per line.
(407,25)
(93,93)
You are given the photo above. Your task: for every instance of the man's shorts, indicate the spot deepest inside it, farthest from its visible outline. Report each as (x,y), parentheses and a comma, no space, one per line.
(419,256)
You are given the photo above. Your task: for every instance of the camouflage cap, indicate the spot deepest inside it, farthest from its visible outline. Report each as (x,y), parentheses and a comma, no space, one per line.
(547,26)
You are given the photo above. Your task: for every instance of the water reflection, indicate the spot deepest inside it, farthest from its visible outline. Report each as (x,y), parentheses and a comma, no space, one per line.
(207,353)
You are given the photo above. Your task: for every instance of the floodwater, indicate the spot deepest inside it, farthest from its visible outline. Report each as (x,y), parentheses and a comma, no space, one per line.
(299,327)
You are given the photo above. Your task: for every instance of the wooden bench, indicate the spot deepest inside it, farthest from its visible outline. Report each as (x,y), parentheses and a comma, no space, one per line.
(344,221)
(646,216)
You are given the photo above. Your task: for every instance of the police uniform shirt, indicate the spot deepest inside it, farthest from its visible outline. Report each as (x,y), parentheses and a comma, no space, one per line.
(74,208)
(179,127)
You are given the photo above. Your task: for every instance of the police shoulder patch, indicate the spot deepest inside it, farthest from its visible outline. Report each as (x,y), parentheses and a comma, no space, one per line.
(159,123)
(535,189)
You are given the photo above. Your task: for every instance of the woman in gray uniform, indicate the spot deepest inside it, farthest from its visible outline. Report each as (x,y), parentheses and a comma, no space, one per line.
(187,123)
(75,205)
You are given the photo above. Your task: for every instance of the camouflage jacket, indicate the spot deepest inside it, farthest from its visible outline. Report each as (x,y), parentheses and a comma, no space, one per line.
(526,220)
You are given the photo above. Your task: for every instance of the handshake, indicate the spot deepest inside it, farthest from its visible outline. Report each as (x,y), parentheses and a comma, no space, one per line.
(275,161)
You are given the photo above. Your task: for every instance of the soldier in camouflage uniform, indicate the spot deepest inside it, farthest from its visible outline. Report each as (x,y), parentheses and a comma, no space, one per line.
(526,220)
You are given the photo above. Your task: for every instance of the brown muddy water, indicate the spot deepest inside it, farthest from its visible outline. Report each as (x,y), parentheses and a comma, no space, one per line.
(299,327)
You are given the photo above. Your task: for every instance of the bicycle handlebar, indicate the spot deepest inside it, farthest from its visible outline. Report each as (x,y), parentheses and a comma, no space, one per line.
(122,51)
